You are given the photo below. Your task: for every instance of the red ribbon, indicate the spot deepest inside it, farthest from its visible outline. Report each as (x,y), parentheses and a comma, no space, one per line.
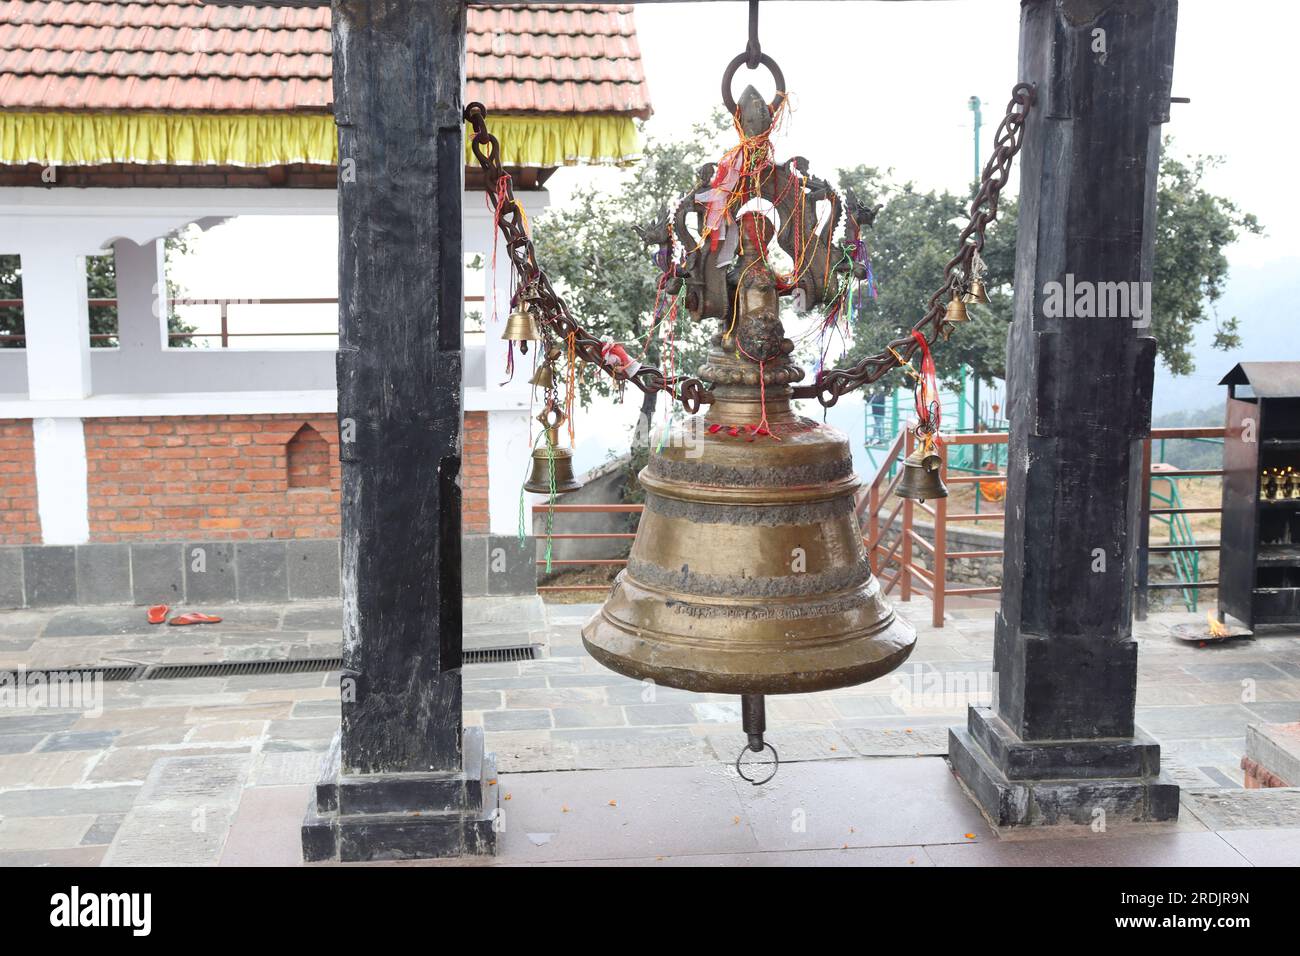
(927,389)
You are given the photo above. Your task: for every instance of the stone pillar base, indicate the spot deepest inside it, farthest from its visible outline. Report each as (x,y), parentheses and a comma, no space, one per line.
(403,816)
(1028,783)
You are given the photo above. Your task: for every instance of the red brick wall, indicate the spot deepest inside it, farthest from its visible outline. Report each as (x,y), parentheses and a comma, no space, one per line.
(229,476)
(19,523)
(474,474)
(210,477)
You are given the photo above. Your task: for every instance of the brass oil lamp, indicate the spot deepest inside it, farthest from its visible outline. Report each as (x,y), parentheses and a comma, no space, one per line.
(748,574)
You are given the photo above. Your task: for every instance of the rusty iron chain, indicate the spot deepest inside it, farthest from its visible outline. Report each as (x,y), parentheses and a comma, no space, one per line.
(536,288)
(691,392)
(832,384)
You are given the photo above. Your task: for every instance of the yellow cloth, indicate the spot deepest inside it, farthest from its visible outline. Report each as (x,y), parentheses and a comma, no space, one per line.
(274,139)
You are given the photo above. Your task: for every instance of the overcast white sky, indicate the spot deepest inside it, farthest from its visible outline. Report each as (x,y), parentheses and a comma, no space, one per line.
(887,84)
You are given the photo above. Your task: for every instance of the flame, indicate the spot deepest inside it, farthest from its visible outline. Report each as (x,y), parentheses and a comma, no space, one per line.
(1217,629)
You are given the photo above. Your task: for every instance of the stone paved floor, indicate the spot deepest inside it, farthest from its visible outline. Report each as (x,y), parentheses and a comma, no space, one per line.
(217,769)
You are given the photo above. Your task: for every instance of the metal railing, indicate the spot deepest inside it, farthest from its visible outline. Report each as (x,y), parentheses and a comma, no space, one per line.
(892,542)
(891,545)
(584,536)
(224,334)
(1174,513)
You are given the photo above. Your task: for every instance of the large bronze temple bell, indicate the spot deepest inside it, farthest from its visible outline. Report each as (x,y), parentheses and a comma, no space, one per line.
(749,574)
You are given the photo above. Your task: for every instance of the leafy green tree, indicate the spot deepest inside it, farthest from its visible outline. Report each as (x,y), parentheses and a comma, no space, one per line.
(913,237)
(592,251)
(11,316)
(916,233)
(101,283)
(1193,226)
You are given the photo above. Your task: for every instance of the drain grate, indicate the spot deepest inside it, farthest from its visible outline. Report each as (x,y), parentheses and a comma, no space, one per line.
(107,672)
(129,672)
(236,668)
(501,655)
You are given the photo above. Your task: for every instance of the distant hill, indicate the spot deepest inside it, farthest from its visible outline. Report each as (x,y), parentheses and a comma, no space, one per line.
(1190,453)
(1263,298)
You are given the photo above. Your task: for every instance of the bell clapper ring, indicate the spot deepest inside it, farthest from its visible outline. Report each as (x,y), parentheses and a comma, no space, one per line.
(740,766)
(753,711)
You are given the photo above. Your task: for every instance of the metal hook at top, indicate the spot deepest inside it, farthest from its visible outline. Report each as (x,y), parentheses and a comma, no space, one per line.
(753,58)
(753,51)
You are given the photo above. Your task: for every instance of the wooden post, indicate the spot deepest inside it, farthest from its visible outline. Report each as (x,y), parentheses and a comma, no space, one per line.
(940,562)
(400,785)
(905,551)
(1061,745)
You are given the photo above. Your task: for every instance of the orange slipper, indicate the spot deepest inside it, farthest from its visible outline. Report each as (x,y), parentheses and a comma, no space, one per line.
(158,613)
(195,617)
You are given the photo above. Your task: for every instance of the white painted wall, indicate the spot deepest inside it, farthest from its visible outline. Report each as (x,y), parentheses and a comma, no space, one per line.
(57,318)
(62,499)
(58,380)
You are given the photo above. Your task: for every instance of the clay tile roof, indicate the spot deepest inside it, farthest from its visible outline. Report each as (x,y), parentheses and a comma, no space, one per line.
(187,56)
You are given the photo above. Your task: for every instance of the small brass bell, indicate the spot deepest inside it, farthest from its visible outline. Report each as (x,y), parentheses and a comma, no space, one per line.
(956,311)
(921,481)
(521,326)
(543,377)
(552,461)
(976,293)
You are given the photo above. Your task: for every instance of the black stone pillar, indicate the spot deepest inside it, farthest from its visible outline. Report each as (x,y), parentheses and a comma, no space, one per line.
(1060,743)
(405,781)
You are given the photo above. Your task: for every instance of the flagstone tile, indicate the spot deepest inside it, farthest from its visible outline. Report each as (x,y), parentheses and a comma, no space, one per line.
(192,836)
(820,805)
(45,769)
(516,719)
(588,716)
(20,743)
(1204,721)
(81,857)
(103,830)
(228,731)
(1110,849)
(265,830)
(239,710)
(132,764)
(43,833)
(61,801)
(1275,846)
(554,697)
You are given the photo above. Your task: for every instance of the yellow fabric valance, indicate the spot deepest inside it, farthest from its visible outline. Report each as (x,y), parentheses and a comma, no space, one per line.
(276,139)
